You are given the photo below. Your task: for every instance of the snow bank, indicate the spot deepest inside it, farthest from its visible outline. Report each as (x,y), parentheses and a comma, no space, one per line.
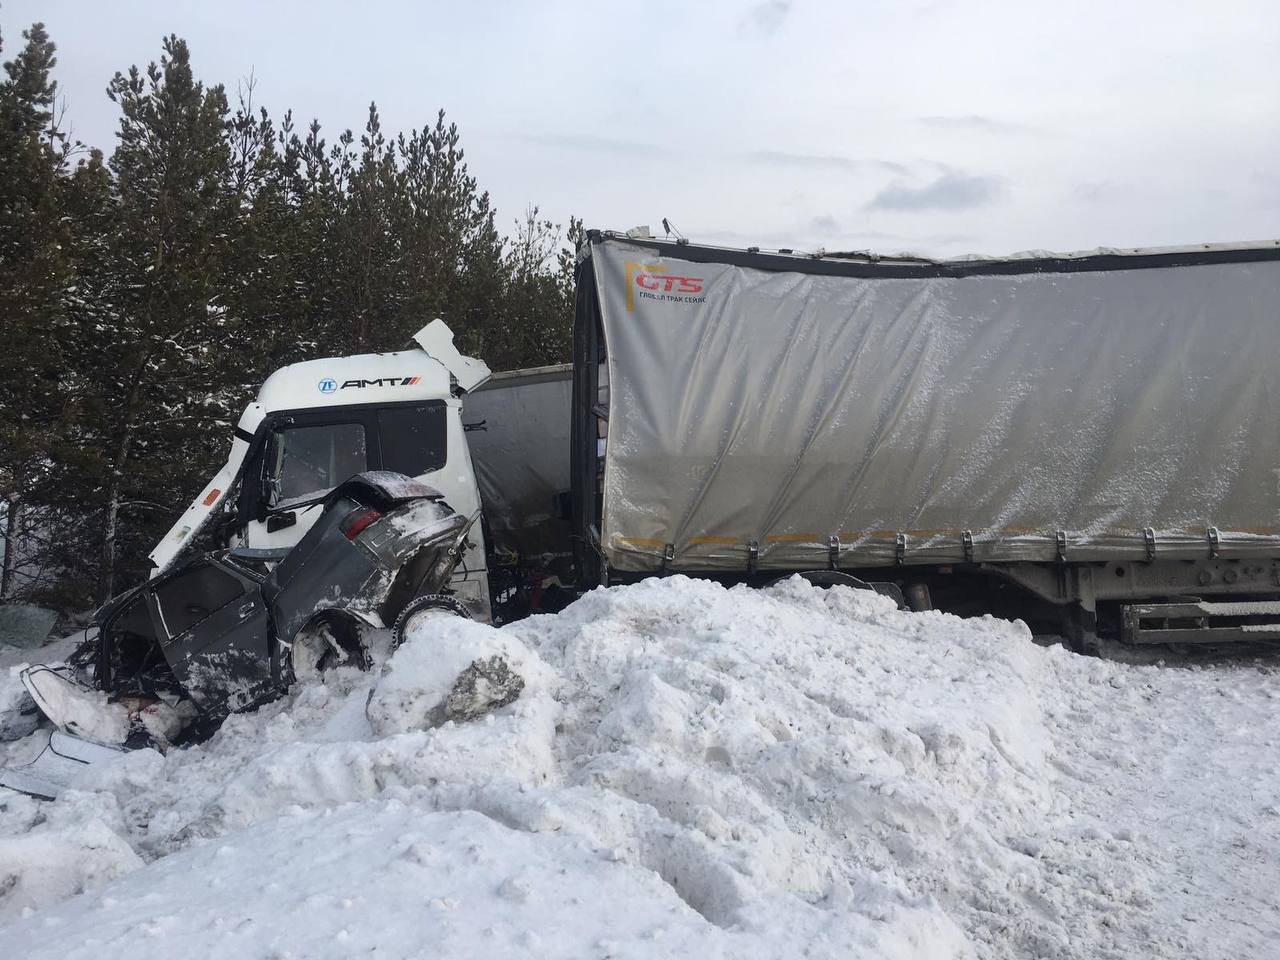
(688,769)
(46,864)
(379,876)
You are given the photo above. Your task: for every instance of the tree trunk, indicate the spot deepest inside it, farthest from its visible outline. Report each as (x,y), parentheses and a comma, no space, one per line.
(107,570)
(10,546)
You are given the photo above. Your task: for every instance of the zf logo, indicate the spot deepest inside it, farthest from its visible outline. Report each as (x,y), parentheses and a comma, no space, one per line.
(329,385)
(654,283)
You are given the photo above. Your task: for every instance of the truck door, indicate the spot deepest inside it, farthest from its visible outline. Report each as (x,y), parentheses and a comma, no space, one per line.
(216,635)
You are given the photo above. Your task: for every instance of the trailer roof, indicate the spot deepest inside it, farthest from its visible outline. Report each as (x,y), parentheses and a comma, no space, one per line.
(868,264)
(525,376)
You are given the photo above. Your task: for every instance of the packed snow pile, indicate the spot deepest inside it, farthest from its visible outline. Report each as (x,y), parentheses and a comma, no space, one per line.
(686,770)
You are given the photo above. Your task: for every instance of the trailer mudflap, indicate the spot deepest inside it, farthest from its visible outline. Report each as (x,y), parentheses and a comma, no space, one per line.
(1199,621)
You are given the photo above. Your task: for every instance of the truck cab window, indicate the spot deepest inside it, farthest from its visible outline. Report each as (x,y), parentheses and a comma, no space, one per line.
(413,438)
(306,462)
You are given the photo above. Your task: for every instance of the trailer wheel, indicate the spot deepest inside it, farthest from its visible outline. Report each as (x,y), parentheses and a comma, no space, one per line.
(327,643)
(420,608)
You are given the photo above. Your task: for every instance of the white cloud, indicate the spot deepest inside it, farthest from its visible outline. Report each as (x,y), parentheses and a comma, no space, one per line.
(769,15)
(951,191)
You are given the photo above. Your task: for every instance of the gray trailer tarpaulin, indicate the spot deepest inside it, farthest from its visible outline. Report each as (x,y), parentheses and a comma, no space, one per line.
(518,433)
(1006,410)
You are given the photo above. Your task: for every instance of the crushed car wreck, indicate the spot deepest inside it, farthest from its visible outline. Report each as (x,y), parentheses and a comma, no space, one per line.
(229,630)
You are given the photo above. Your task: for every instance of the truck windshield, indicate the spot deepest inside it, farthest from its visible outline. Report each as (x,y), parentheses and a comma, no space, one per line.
(307,462)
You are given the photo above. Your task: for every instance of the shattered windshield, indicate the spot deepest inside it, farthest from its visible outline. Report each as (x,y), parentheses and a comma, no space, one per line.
(307,462)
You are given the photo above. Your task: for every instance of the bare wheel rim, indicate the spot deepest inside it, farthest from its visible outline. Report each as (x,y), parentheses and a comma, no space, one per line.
(316,650)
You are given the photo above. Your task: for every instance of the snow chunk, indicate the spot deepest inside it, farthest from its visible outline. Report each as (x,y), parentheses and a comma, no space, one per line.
(450,668)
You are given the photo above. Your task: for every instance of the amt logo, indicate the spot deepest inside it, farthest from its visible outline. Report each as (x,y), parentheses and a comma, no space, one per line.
(328,385)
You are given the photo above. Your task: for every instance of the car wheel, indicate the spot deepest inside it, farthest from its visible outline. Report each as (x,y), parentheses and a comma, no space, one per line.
(420,608)
(325,644)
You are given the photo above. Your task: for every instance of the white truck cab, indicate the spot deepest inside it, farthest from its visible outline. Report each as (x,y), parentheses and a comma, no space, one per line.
(316,423)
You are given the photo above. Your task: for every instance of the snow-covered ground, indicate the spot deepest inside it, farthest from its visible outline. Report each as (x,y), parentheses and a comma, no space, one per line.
(689,771)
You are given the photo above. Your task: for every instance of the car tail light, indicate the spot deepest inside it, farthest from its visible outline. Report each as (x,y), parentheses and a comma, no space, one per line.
(355,523)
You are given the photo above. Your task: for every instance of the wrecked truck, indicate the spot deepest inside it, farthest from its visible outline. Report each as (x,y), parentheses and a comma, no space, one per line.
(229,630)
(1086,441)
(1083,441)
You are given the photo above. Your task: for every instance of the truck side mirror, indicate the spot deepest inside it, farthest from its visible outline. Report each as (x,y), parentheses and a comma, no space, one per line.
(278,521)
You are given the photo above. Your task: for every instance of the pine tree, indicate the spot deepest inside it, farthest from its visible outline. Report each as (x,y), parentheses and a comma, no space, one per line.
(160,379)
(535,325)
(453,251)
(268,311)
(69,493)
(34,273)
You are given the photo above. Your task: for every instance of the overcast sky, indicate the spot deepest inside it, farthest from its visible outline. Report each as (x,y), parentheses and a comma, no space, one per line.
(942,127)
